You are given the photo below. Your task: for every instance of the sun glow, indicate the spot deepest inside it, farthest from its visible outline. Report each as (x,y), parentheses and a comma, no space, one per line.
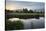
(10,7)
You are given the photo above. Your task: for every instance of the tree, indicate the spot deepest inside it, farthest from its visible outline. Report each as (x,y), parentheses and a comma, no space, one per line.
(17,11)
(25,10)
(30,11)
(8,11)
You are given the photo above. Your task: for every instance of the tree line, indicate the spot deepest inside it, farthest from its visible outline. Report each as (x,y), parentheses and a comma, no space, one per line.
(24,10)
(21,11)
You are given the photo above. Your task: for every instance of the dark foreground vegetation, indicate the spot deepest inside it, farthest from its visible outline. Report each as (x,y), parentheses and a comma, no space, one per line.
(15,25)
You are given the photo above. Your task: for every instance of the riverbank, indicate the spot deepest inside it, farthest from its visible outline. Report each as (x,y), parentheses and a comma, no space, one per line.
(24,15)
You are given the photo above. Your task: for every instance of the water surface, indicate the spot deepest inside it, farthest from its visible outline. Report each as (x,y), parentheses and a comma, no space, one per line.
(32,22)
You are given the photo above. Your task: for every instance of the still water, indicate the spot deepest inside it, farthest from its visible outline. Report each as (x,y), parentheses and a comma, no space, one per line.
(32,22)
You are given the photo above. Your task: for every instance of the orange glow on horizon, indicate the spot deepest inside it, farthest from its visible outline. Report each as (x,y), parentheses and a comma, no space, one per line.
(10,7)
(13,7)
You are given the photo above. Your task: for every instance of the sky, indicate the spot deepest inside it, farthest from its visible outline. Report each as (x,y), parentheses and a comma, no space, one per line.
(13,5)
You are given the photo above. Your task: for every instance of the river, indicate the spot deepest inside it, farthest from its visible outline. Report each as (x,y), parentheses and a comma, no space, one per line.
(32,22)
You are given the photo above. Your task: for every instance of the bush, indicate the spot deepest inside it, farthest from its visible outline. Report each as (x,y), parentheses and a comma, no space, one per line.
(14,25)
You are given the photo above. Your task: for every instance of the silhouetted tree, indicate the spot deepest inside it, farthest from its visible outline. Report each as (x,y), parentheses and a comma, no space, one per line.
(30,11)
(25,10)
(8,11)
(17,11)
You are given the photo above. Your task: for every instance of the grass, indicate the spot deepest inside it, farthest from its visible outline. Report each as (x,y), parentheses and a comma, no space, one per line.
(26,14)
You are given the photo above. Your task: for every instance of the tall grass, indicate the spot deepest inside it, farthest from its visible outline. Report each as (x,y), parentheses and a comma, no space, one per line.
(15,25)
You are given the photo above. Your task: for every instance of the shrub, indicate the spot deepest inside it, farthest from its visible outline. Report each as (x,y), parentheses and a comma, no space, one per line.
(14,25)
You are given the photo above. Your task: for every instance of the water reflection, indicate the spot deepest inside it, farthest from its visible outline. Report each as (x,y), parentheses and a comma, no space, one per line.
(31,23)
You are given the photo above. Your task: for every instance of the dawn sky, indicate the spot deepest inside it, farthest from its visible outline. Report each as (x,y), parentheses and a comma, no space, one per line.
(13,5)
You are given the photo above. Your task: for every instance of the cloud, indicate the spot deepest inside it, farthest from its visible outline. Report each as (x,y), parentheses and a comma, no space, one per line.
(25,4)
